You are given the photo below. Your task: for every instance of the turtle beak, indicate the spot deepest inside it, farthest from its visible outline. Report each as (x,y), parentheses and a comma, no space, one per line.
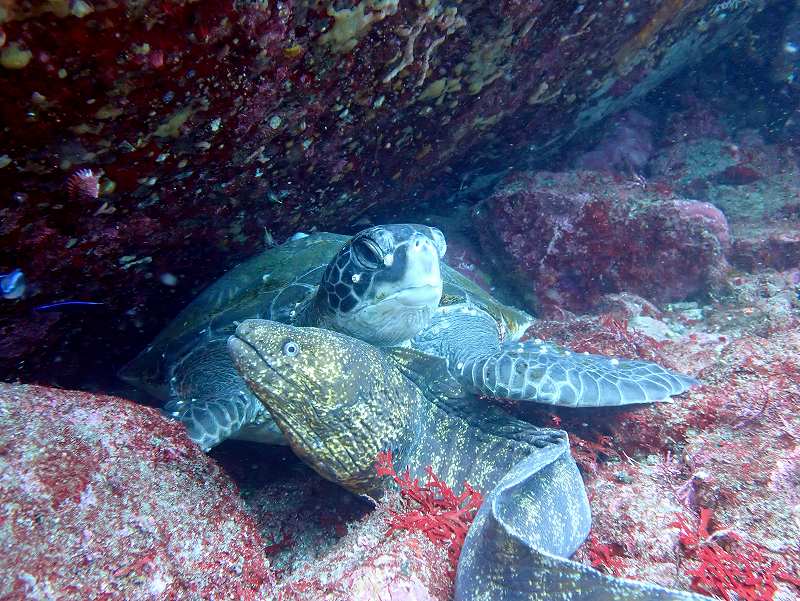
(423,258)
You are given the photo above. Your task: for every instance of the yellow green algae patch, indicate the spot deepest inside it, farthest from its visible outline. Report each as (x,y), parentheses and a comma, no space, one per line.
(438,89)
(352,24)
(172,127)
(488,60)
(14,57)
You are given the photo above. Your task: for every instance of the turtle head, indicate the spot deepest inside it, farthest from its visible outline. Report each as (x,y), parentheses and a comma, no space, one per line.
(337,400)
(384,284)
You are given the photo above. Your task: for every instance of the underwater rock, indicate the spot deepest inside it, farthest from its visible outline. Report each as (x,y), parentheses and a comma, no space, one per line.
(749,180)
(204,123)
(625,306)
(773,245)
(626,148)
(695,119)
(757,304)
(100,495)
(568,239)
(729,447)
(755,184)
(323,542)
(366,565)
(465,257)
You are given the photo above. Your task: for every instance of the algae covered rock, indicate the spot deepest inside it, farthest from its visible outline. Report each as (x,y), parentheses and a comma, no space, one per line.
(100,496)
(147,145)
(567,239)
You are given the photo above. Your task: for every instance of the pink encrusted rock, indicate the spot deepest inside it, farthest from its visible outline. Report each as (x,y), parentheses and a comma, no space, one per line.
(760,246)
(755,184)
(758,304)
(105,499)
(463,256)
(695,120)
(746,178)
(324,543)
(571,238)
(730,446)
(366,565)
(626,306)
(626,147)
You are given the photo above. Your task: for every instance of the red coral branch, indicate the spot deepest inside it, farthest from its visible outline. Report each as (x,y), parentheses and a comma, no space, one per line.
(745,574)
(433,508)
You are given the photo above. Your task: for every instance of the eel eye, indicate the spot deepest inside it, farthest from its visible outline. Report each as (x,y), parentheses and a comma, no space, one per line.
(290,348)
(367,253)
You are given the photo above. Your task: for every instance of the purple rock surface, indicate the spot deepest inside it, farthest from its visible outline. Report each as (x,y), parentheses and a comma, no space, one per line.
(570,238)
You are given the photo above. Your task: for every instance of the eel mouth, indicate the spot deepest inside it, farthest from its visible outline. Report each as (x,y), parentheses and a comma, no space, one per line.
(240,346)
(247,357)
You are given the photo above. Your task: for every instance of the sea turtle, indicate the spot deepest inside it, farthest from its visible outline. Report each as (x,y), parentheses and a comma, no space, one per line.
(340,401)
(387,286)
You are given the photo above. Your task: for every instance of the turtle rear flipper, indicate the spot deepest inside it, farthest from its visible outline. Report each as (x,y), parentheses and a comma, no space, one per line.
(214,403)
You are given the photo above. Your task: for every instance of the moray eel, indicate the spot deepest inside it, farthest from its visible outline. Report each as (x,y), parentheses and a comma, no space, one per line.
(340,401)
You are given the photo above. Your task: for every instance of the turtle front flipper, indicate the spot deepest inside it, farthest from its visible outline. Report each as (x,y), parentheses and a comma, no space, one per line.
(468,338)
(528,525)
(214,403)
(550,374)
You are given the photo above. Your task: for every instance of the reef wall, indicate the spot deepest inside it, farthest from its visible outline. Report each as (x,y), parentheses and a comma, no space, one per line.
(146,146)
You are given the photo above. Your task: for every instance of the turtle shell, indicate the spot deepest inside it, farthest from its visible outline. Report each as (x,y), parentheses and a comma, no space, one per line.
(271,285)
(458,288)
(268,286)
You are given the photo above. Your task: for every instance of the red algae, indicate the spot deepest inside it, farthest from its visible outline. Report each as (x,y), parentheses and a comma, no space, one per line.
(742,573)
(432,508)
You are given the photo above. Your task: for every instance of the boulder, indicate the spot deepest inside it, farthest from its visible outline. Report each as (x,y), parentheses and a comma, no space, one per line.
(103,498)
(567,239)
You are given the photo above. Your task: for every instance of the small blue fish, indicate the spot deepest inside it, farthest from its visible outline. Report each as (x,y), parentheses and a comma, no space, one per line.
(12,285)
(64,304)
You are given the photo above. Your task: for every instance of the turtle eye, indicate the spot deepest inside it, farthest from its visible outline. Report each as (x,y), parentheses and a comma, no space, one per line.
(367,253)
(290,348)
